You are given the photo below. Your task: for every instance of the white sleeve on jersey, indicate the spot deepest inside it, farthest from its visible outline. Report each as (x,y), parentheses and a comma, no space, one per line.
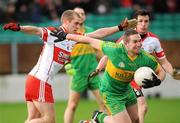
(46,37)
(152,45)
(158,47)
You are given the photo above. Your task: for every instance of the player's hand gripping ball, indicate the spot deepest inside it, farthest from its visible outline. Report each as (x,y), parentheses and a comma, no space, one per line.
(146,77)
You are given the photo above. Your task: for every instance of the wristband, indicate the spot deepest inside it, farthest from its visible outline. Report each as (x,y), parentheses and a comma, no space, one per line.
(120,28)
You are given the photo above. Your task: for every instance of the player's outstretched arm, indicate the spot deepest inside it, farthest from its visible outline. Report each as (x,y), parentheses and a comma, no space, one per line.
(169,68)
(61,35)
(127,24)
(26,29)
(84,39)
(160,73)
(103,32)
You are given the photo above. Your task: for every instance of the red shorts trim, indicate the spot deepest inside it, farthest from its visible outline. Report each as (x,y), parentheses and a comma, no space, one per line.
(38,90)
(134,85)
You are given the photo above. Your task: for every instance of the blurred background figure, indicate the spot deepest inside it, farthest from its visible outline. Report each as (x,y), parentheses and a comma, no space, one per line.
(83,60)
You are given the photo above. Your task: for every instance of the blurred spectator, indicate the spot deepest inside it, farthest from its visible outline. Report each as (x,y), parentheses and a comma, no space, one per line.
(2,16)
(59,7)
(86,4)
(35,11)
(10,12)
(39,10)
(171,4)
(126,3)
(23,13)
(115,3)
(49,11)
(160,6)
(102,6)
(178,5)
(42,2)
(142,4)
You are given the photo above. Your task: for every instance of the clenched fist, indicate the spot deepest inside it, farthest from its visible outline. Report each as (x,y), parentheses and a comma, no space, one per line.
(12,26)
(127,24)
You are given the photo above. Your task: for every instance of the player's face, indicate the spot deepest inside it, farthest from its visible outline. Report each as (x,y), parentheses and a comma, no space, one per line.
(74,25)
(134,44)
(143,24)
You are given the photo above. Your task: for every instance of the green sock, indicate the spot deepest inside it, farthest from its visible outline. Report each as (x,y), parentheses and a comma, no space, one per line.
(101,117)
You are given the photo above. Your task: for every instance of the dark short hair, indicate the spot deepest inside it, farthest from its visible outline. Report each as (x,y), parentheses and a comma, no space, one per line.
(142,12)
(128,33)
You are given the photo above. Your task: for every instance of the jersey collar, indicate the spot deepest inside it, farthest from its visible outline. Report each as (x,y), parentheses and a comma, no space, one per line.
(64,29)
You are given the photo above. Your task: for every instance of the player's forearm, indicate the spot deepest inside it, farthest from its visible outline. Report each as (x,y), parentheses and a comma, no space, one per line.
(102,63)
(166,66)
(84,39)
(161,73)
(31,30)
(103,32)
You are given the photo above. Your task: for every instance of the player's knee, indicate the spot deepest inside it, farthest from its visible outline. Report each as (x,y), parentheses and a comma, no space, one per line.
(144,108)
(73,106)
(136,120)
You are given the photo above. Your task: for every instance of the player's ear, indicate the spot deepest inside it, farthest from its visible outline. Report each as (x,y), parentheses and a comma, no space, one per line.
(66,21)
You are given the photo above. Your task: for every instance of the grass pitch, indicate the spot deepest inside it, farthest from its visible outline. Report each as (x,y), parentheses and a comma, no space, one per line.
(159,111)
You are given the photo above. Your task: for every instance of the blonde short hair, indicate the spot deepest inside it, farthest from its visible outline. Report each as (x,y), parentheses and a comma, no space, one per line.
(69,15)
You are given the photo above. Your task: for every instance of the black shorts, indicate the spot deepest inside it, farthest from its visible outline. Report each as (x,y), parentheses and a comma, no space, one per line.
(138,93)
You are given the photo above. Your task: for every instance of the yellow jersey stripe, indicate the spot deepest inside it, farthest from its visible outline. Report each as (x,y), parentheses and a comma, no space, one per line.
(81,49)
(119,74)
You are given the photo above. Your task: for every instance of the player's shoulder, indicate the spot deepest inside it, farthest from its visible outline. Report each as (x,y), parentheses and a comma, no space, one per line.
(146,54)
(51,28)
(153,38)
(142,51)
(119,40)
(150,34)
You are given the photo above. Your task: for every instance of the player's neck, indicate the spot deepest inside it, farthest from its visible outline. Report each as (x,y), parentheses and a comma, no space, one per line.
(64,28)
(132,54)
(143,35)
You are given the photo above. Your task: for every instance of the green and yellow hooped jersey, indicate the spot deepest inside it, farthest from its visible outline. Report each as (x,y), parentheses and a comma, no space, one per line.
(82,48)
(120,67)
(83,56)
